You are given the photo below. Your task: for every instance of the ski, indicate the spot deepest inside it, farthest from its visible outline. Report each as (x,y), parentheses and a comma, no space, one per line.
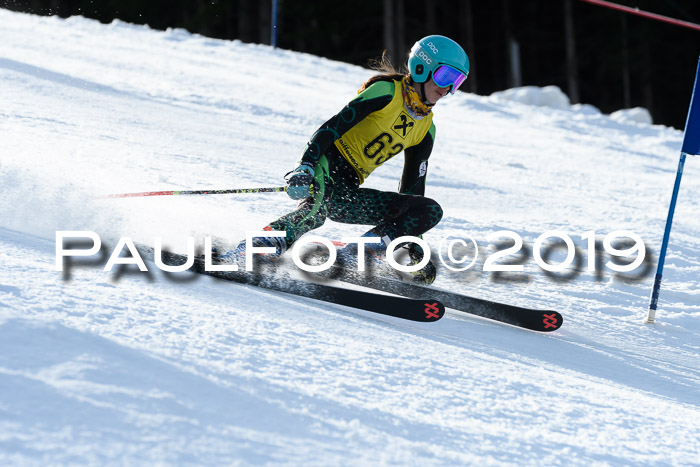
(528,318)
(414,308)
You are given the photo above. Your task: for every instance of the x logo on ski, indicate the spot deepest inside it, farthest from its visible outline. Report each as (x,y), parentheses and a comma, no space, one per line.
(550,321)
(432,311)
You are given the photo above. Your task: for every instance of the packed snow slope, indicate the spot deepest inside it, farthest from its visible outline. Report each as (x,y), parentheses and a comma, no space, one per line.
(136,368)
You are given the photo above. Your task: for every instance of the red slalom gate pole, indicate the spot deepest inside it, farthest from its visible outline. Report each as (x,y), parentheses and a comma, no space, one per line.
(645,14)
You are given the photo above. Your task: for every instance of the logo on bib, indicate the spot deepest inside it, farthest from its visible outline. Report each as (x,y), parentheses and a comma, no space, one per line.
(403,125)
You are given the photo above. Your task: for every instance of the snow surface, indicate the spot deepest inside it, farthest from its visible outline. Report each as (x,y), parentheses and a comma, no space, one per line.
(636,114)
(548,96)
(134,368)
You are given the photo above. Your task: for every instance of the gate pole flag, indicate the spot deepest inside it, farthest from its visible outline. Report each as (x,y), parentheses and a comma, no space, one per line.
(691,145)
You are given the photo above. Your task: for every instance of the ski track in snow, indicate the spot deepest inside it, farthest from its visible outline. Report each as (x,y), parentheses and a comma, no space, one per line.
(134,368)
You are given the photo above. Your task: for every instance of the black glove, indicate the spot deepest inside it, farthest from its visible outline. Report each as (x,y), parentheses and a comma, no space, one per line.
(300,184)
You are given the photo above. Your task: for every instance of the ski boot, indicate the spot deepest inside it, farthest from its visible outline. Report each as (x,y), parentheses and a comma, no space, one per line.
(238,254)
(427,274)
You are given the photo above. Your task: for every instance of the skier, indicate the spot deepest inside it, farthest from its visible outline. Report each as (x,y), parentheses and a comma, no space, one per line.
(391,114)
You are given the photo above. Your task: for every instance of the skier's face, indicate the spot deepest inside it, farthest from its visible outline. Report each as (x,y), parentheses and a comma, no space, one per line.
(433,92)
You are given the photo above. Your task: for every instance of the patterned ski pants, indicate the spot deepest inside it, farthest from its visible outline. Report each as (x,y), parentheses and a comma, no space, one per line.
(338,196)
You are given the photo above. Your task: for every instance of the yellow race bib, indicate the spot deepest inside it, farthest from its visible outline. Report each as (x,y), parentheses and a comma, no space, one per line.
(382,134)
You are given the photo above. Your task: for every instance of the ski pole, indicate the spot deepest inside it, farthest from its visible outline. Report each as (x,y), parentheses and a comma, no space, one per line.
(198,192)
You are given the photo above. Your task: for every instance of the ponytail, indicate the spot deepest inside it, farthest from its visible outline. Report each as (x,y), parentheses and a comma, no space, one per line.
(387,71)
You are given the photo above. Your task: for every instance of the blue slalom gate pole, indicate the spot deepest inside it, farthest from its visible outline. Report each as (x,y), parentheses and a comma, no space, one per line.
(273,29)
(691,145)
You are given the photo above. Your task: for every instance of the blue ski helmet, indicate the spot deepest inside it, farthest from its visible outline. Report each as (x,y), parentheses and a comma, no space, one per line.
(429,54)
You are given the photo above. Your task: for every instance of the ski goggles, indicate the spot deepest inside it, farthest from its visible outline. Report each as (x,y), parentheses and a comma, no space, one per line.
(446,76)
